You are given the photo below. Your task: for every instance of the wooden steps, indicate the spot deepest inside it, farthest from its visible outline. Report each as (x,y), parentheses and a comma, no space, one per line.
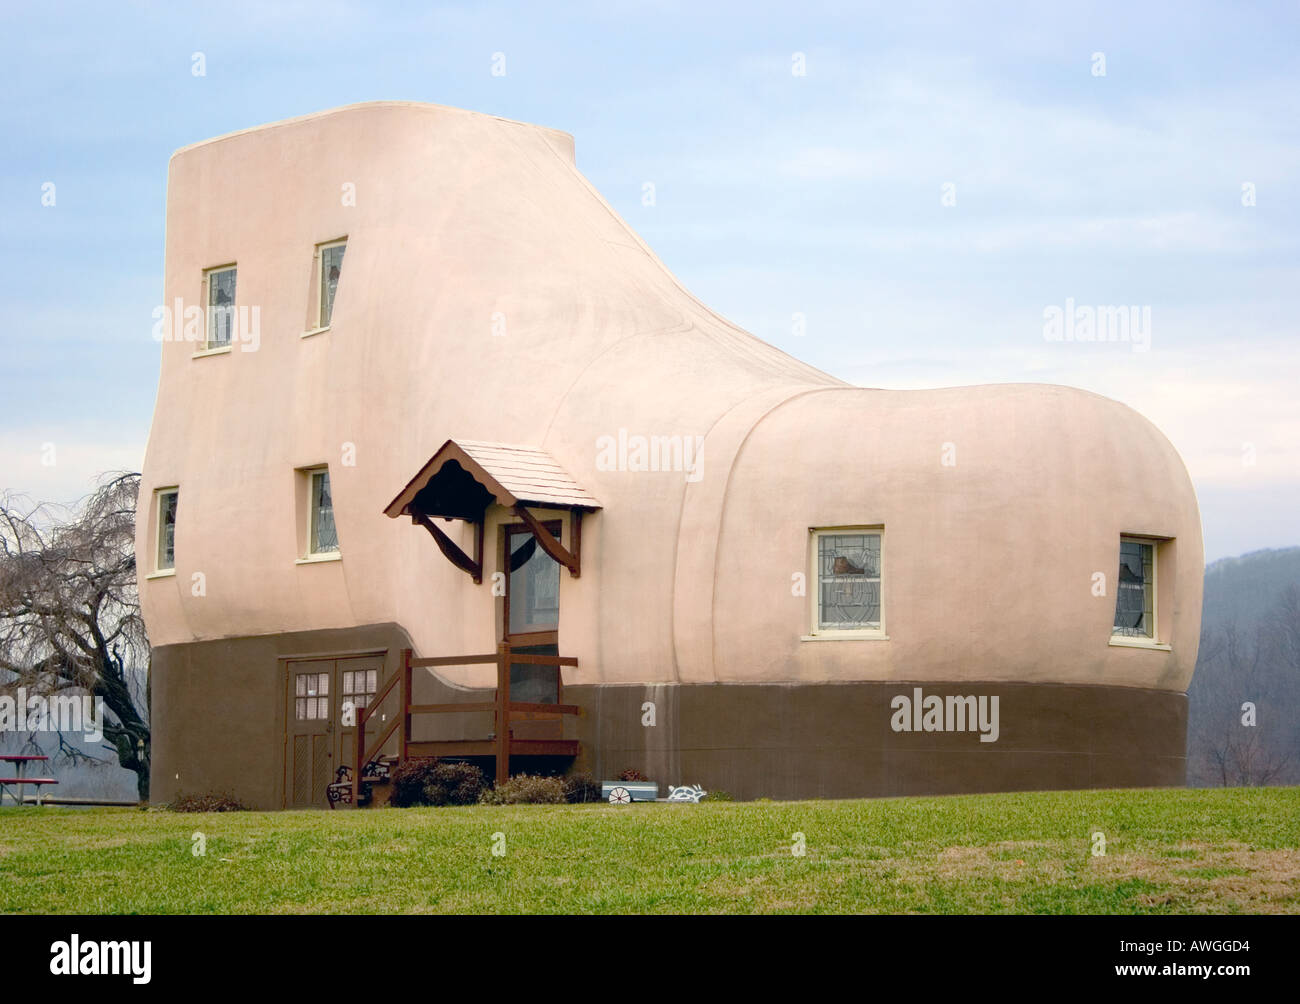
(500,748)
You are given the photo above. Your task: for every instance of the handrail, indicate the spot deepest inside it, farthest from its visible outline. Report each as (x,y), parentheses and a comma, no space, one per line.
(501,705)
(529,659)
(454,660)
(545,709)
(383,738)
(403,675)
(378,699)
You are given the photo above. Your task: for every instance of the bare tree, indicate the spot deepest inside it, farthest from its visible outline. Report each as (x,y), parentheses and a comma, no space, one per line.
(1287,631)
(70,610)
(1231,743)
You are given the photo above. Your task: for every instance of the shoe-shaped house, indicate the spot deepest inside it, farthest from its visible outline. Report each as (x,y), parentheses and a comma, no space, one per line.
(443,456)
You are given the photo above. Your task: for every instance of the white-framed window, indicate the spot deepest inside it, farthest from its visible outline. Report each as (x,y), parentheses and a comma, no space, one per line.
(322,534)
(329,259)
(311,697)
(165,500)
(1135,590)
(359,686)
(219,298)
(848,581)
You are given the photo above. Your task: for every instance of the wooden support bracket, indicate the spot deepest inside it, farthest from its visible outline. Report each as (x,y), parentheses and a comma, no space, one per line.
(474,566)
(549,544)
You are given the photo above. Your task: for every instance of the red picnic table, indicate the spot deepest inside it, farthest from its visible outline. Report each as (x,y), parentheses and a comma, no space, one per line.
(20,778)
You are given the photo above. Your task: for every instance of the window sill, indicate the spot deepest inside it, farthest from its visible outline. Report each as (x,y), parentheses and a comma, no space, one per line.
(316,559)
(1155,646)
(220,350)
(847,636)
(166,573)
(314,331)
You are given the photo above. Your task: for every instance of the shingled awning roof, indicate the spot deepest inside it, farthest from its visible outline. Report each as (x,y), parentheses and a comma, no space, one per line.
(466,476)
(507,474)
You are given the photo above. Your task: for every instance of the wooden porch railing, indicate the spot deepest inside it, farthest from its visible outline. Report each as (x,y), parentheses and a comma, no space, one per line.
(504,711)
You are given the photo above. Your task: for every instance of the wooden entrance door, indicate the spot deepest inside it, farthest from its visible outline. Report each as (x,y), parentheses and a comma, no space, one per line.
(532,588)
(324,697)
(532,615)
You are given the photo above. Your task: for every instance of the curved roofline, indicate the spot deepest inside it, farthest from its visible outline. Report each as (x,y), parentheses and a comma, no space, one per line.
(423,105)
(1018,385)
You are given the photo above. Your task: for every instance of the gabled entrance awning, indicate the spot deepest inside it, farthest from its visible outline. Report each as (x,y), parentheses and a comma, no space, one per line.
(466,476)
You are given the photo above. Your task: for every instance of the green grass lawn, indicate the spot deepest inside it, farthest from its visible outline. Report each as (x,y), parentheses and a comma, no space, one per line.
(1167,851)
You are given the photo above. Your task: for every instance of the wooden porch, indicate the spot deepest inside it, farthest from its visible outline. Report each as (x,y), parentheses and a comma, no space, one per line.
(501,746)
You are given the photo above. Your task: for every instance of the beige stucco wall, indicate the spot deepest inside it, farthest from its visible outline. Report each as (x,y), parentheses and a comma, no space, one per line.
(989,561)
(464,222)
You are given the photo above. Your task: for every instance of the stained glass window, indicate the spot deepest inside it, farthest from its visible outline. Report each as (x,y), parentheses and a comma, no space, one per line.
(848,581)
(221,307)
(166,530)
(331,266)
(1135,590)
(324,534)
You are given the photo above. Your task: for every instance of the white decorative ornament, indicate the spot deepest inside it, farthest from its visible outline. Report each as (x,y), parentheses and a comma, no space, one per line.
(686,793)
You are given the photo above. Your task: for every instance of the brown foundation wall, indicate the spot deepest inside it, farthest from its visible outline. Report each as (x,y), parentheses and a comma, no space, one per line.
(835,740)
(219,725)
(218,709)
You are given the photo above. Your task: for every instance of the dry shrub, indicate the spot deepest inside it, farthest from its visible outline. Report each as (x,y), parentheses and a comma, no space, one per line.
(209,802)
(427,781)
(581,788)
(527,789)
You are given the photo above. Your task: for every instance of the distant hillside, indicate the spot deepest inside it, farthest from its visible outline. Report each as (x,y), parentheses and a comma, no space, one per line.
(1238,588)
(1248,668)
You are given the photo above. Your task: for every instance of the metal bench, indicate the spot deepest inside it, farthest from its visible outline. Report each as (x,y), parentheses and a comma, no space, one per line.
(340,791)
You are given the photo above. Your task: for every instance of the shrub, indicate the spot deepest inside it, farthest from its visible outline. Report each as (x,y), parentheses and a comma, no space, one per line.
(426,781)
(209,802)
(406,781)
(526,789)
(581,788)
(717,796)
(632,774)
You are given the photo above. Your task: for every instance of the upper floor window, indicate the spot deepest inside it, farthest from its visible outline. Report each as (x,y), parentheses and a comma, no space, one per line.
(330,257)
(166,553)
(323,537)
(219,295)
(847,570)
(1135,590)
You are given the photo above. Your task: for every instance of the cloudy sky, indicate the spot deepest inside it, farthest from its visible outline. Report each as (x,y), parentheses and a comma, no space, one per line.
(920,185)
